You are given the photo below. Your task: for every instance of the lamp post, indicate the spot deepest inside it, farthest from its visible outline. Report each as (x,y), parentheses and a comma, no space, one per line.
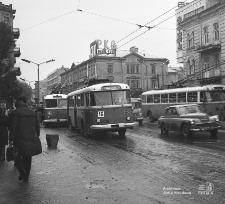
(146,70)
(38,64)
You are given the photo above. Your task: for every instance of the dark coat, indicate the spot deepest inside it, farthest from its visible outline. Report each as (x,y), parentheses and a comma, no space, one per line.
(25,131)
(4,124)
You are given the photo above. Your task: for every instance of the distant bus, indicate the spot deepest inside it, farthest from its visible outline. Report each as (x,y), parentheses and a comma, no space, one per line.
(55,109)
(104,107)
(210,97)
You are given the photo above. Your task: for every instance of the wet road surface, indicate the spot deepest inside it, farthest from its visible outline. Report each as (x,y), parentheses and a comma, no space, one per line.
(143,167)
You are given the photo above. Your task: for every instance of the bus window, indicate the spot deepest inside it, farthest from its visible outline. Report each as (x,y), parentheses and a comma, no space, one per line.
(87,99)
(82,99)
(121,97)
(192,97)
(164,98)
(172,98)
(149,98)
(143,99)
(101,98)
(157,98)
(217,95)
(71,101)
(62,103)
(51,103)
(205,96)
(181,97)
(78,100)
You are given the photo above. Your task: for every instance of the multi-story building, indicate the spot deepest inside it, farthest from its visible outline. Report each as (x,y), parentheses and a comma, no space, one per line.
(54,78)
(140,71)
(7,16)
(200,41)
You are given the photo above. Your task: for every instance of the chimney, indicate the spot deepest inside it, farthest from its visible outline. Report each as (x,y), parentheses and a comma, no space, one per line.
(133,49)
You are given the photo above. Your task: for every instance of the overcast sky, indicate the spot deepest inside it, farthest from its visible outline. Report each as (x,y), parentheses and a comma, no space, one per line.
(54,29)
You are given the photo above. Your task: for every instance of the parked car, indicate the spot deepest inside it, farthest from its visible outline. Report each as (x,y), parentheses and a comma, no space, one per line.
(137,113)
(188,118)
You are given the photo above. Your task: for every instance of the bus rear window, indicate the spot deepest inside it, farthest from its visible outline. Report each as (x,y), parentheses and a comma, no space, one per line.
(51,103)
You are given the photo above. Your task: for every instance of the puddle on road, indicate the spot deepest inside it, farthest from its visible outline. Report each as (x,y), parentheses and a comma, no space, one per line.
(97,184)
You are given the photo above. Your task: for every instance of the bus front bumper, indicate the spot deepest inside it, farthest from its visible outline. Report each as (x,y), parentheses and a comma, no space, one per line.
(112,127)
(55,121)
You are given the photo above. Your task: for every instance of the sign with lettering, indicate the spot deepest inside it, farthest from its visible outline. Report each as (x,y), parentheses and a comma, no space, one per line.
(95,48)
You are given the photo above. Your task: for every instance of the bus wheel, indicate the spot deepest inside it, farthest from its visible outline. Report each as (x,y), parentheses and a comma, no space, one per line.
(150,117)
(164,131)
(122,132)
(213,132)
(186,131)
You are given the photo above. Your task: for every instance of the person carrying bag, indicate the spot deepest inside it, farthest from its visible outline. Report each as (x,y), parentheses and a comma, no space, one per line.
(25,132)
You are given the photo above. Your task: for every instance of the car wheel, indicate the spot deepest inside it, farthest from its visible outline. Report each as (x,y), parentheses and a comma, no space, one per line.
(213,132)
(186,131)
(163,129)
(122,132)
(140,122)
(150,117)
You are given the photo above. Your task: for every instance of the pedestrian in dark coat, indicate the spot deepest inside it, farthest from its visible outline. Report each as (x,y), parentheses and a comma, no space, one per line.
(4,124)
(25,132)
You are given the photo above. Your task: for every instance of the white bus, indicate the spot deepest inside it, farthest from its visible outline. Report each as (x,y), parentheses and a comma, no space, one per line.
(210,97)
(55,109)
(104,107)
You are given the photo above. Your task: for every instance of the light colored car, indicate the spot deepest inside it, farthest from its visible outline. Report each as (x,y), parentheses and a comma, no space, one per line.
(137,113)
(188,118)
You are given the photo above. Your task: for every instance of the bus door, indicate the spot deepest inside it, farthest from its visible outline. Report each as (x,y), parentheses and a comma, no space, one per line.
(75,111)
(205,97)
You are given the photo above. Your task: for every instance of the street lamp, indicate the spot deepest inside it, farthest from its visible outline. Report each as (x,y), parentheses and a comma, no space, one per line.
(146,70)
(38,64)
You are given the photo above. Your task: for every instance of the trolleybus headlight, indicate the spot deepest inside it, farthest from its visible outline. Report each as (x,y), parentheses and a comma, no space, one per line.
(128,118)
(98,120)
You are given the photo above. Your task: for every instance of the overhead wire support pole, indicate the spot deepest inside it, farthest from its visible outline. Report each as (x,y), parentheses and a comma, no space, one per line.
(38,85)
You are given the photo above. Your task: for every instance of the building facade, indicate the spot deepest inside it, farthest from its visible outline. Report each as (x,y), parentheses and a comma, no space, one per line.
(140,71)
(54,78)
(202,49)
(7,16)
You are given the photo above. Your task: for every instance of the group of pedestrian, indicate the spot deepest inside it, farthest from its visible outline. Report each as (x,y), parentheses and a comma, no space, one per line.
(20,128)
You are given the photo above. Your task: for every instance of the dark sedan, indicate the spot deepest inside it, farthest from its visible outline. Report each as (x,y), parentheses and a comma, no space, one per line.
(188,119)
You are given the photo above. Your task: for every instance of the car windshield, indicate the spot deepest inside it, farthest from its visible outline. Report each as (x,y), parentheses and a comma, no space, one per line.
(189,109)
(110,98)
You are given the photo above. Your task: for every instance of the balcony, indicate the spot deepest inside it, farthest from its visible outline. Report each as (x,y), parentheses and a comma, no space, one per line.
(17,52)
(212,73)
(212,45)
(16,33)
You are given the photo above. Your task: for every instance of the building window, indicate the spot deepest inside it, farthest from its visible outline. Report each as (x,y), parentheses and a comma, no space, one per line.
(206,64)
(216,31)
(110,68)
(153,69)
(128,82)
(128,69)
(132,71)
(133,83)
(192,39)
(154,84)
(137,69)
(193,67)
(205,35)
(189,66)
(189,40)
(6,20)
(217,61)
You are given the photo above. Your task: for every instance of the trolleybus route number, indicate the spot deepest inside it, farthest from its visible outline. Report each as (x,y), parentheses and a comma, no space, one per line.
(100,113)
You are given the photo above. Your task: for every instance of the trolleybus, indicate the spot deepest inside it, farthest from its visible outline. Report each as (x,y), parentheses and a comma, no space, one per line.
(104,107)
(55,109)
(210,97)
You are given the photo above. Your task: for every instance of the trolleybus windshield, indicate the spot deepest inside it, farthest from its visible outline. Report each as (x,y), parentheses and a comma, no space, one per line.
(110,98)
(55,103)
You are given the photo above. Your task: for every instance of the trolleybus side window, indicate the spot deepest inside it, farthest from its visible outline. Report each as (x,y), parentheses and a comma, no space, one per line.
(192,97)
(205,96)
(217,95)
(172,98)
(82,99)
(181,97)
(157,98)
(164,98)
(143,99)
(78,100)
(71,101)
(87,99)
(51,103)
(149,98)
